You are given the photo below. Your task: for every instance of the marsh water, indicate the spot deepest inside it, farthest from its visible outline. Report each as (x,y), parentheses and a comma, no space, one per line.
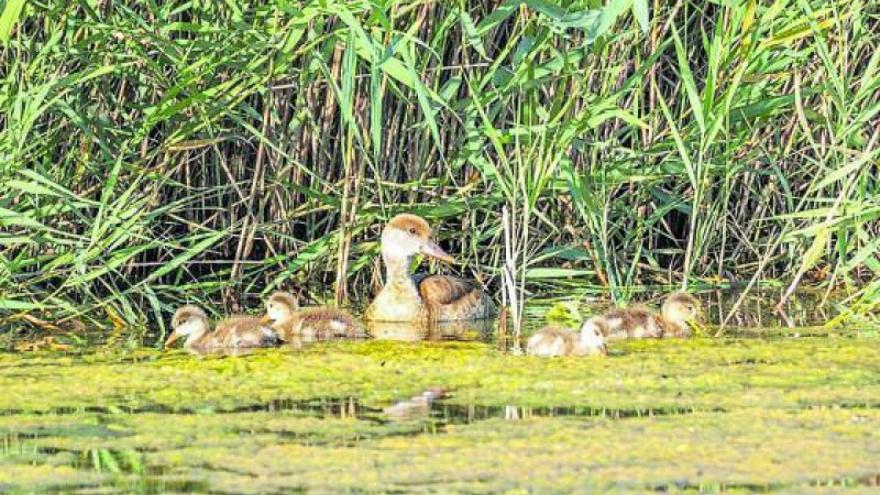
(772,403)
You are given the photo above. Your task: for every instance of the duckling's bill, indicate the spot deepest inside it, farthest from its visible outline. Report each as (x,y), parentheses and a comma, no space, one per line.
(171,339)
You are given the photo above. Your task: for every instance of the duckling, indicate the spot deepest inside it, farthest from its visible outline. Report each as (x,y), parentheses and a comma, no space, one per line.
(554,341)
(291,322)
(678,309)
(235,332)
(426,297)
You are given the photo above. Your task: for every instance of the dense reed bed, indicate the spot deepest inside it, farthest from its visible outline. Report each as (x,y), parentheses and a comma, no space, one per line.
(154,152)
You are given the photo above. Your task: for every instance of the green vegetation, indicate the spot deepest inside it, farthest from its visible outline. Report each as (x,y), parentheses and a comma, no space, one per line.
(156,152)
(153,153)
(709,374)
(710,415)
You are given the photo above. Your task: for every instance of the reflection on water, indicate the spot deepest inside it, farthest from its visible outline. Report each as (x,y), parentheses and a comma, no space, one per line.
(481,330)
(757,312)
(166,464)
(806,308)
(758,309)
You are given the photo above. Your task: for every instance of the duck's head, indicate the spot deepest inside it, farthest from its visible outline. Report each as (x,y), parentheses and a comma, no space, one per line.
(682,308)
(189,321)
(280,306)
(407,235)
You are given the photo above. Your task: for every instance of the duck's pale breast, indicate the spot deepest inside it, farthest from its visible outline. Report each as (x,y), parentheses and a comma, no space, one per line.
(397,301)
(452,298)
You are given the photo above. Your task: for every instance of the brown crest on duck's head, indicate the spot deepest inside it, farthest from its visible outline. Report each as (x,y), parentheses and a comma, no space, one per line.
(406,235)
(413,225)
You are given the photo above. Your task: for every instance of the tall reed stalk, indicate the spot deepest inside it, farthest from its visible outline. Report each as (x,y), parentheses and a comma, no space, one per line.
(160,152)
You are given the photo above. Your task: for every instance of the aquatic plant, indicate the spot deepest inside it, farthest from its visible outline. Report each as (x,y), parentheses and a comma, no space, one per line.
(713,415)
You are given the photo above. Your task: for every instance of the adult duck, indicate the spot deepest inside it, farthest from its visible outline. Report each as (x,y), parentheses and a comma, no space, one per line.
(431,298)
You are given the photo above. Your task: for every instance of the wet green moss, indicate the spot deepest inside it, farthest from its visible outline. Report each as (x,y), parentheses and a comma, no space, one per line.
(705,374)
(262,452)
(779,415)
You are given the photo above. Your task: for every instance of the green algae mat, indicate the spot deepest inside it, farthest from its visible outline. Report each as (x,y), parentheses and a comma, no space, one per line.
(712,415)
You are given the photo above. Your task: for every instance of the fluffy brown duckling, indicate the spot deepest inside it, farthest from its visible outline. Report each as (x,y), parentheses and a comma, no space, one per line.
(677,311)
(554,341)
(291,322)
(422,298)
(235,332)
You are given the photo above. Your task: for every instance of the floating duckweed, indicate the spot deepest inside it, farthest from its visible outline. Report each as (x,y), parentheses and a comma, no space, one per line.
(715,415)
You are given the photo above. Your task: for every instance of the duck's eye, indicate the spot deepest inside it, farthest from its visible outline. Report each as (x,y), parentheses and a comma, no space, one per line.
(412,230)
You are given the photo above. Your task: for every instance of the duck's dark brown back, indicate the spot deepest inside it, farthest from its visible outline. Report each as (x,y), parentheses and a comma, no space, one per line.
(450,298)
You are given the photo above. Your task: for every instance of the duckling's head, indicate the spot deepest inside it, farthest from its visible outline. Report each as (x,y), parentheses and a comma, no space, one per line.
(407,235)
(681,308)
(280,306)
(188,321)
(592,338)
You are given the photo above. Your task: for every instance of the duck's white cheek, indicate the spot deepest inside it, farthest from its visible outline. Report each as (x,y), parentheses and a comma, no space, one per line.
(399,244)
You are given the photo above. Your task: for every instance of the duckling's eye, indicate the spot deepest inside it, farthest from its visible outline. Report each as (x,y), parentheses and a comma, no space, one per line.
(412,230)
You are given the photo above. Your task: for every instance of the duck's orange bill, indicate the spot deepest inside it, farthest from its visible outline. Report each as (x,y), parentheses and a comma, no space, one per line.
(431,249)
(171,339)
(266,319)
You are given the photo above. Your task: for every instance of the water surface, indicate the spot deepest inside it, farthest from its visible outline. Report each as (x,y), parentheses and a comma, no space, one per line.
(763,407)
